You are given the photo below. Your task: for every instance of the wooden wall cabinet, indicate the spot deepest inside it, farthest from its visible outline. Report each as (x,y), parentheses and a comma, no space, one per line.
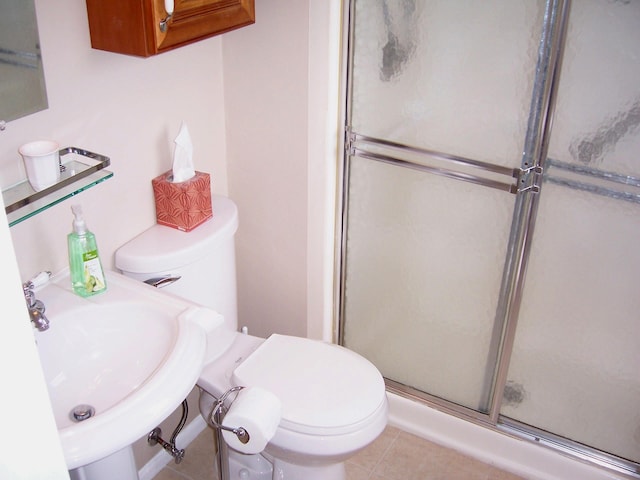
(132,27)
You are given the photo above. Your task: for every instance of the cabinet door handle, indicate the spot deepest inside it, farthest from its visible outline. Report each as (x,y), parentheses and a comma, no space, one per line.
(168,6)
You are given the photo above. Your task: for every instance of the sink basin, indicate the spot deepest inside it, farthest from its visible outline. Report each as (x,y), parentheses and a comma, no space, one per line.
(132,354)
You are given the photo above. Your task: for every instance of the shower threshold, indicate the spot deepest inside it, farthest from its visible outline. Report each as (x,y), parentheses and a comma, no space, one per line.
(419,422)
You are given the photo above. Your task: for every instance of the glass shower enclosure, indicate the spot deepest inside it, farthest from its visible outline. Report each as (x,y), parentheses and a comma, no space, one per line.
(490,261)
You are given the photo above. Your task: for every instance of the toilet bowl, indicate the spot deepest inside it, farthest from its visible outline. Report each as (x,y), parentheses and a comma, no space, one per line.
(333,400)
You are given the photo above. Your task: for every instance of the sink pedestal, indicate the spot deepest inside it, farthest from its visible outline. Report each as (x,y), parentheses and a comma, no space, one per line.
(120,465)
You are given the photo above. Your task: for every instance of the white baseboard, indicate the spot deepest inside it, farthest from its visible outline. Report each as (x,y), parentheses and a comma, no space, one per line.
(162,458)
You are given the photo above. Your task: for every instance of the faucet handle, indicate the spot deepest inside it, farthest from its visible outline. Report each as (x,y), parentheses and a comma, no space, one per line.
(39,280)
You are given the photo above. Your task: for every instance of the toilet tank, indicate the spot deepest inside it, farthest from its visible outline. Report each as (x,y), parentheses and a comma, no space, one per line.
(203,259)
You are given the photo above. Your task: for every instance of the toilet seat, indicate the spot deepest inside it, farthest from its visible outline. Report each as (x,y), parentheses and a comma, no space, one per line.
(325,389)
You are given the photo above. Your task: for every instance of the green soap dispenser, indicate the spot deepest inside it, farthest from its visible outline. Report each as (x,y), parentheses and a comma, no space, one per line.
(87,275)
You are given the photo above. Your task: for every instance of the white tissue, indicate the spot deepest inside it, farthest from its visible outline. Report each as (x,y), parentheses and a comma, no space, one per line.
(256,410)
(183,156)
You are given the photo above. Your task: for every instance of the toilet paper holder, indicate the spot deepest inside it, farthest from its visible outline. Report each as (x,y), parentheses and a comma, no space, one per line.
(217,412)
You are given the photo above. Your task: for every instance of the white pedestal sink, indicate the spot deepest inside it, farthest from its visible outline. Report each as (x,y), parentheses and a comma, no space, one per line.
(131,353)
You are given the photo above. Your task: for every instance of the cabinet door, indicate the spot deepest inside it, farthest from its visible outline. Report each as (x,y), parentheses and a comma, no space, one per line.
(197,19)
(133,27)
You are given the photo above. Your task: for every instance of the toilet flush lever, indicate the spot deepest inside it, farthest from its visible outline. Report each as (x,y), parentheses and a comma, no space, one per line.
(164,281)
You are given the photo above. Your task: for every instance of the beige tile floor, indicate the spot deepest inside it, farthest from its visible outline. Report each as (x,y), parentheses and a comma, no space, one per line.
(395,455)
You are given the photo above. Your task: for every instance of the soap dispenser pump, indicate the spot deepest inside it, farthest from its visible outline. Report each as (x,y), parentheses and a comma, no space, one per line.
(87,275)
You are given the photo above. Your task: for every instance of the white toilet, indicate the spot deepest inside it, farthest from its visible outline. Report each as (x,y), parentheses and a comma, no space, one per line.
(333,400)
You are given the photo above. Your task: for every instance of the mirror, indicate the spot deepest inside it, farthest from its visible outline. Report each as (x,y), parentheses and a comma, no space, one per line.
(22,86)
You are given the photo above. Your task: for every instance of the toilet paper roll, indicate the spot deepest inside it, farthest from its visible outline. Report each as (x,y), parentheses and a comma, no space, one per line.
(256,410)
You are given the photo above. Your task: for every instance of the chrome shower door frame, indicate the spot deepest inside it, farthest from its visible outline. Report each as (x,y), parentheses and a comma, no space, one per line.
(525,183)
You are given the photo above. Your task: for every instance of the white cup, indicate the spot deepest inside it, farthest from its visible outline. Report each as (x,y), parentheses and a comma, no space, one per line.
(42,162)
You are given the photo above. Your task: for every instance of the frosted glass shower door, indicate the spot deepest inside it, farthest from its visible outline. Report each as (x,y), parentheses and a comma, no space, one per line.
(439,102)
(450,76)
(575,367)
(425,257)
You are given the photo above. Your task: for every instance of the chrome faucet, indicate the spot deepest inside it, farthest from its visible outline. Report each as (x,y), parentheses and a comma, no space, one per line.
(36,307)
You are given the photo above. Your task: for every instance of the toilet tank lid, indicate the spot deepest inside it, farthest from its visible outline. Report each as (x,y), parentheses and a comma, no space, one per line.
(162,248)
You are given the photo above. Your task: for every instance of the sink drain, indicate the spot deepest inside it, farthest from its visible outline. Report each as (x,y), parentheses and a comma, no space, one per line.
(82,412)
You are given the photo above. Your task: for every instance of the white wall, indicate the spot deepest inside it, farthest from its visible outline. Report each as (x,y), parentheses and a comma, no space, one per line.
(124,107)
(281,79)
(247,98)
(266,96)
(325,140)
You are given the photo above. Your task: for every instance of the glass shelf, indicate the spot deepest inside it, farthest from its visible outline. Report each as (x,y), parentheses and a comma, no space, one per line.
(80,169)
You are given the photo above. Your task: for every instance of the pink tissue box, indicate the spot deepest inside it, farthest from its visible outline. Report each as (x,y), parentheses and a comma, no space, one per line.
(183,205)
